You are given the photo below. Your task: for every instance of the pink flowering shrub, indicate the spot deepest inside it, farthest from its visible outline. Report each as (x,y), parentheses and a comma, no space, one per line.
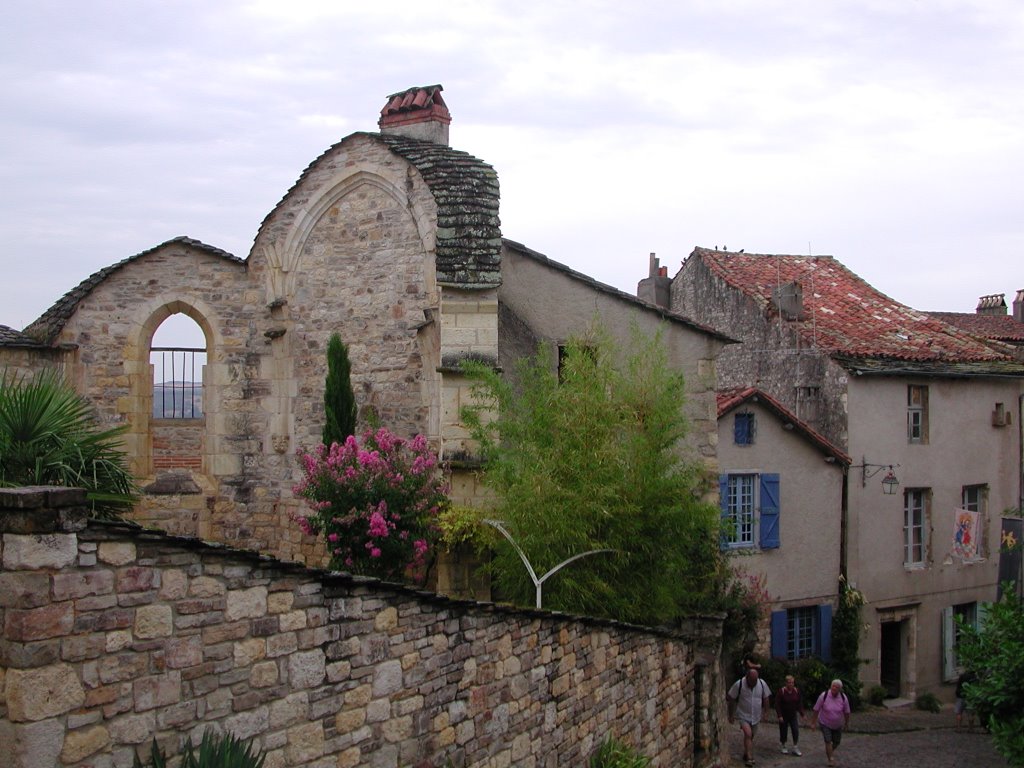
(376,501)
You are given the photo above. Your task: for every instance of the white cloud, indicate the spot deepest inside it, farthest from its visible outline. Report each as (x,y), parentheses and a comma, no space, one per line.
(884,133)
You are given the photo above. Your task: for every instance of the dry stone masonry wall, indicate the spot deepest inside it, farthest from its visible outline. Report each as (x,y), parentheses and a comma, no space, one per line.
(113,635)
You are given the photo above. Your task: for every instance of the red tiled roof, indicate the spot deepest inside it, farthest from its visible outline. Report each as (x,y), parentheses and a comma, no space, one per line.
(728,399)
(998,327)
(842,313)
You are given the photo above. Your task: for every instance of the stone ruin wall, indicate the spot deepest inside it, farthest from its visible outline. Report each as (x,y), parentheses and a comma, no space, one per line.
(348,250)
(114,635)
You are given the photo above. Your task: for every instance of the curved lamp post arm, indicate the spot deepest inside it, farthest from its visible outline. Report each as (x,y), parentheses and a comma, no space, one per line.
(538,583)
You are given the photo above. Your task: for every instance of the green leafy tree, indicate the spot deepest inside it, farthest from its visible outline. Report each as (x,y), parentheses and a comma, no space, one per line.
(994,655)
(49,435)
(587,458)
(339,399)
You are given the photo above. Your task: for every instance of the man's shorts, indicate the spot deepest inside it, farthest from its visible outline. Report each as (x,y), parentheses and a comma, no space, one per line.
(753,726)
(834,735)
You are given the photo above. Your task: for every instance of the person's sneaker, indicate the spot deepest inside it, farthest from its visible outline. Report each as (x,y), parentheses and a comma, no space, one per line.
(797,752)
(784,750)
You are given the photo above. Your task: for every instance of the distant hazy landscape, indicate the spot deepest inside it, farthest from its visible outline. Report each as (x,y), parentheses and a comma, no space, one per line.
(178,400)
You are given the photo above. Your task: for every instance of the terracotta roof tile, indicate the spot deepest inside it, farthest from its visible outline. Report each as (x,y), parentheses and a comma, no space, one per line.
(998,327)
(843,314)
(414,104)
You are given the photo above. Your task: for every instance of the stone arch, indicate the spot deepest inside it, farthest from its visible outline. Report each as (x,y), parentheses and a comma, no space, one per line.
(283,258)
(173,460)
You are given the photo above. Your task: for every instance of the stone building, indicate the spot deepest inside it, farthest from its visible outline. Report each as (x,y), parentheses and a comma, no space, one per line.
(929,414)
(391,239)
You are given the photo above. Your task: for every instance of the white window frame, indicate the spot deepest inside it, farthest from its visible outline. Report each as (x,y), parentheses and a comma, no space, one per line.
(916,519)
(917,413)
(742,534)
(801,631)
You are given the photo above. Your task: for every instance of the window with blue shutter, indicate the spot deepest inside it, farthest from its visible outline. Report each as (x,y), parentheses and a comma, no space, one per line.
(738,498)
(769,499)
(798,633)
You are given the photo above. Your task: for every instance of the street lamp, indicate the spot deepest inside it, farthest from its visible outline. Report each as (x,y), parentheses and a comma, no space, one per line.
(890,483)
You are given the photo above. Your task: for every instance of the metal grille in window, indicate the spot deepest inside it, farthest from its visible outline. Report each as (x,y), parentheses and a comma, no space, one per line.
(177,382)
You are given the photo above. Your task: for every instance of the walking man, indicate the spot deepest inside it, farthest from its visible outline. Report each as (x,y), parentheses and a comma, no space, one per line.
(832,713)
(748,702)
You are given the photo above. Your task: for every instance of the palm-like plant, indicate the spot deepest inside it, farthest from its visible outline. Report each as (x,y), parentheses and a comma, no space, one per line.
(49,436)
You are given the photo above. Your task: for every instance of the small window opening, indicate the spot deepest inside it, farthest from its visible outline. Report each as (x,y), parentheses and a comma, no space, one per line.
(178,356)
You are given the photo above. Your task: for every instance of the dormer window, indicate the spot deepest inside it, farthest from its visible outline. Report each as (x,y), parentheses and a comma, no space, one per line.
(744,428)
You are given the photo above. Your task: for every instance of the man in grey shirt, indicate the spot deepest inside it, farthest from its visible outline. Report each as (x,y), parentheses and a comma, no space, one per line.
(748,701)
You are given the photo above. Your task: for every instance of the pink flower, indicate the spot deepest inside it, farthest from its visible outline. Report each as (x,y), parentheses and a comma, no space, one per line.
(332,537)
(378,525)
(374,552)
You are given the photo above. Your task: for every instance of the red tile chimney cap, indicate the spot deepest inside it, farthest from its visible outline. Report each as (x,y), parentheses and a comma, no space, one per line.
(415,105)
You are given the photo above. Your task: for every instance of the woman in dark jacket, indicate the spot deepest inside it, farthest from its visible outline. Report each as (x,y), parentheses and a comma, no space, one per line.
(789,706)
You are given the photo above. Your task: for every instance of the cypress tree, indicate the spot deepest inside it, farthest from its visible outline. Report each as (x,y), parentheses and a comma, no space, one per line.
(339,399)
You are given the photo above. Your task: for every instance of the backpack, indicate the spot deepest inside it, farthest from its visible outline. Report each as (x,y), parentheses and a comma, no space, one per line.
(821,698)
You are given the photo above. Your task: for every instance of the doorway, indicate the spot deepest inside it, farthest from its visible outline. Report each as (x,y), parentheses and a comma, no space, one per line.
(891,662)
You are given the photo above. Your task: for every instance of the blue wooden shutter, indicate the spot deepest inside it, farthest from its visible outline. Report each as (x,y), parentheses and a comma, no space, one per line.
(769,511)
(743,429)
(723,501)
(780,634)
(825,632)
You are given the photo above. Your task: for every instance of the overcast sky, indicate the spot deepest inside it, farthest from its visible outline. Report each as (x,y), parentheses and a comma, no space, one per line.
(888,133)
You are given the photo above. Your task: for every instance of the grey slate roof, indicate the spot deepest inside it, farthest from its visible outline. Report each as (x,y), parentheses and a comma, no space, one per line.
(12,338)
(467,195)
(860,366)
(47,328)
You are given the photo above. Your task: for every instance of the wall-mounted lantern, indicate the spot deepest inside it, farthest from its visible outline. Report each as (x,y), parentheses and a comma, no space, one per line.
(890,483)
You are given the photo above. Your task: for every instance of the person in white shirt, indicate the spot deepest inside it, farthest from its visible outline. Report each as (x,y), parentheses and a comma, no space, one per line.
(748,703)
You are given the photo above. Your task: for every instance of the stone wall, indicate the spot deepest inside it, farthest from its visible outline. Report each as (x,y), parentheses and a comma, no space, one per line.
(114,635)
(771,356)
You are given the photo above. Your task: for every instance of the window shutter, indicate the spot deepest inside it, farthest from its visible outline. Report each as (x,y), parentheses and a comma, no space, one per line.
(743,429)
(769,511)
(723,501)
(825,632)
(948,651)
(780,634)
(981,615)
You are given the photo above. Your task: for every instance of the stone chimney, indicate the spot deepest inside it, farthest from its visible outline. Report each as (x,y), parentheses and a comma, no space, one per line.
(1018,306)
(789,300)
(994,305)
(418,113)
(656,288)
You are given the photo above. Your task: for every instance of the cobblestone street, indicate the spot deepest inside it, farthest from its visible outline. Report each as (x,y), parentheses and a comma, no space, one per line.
(901,738)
